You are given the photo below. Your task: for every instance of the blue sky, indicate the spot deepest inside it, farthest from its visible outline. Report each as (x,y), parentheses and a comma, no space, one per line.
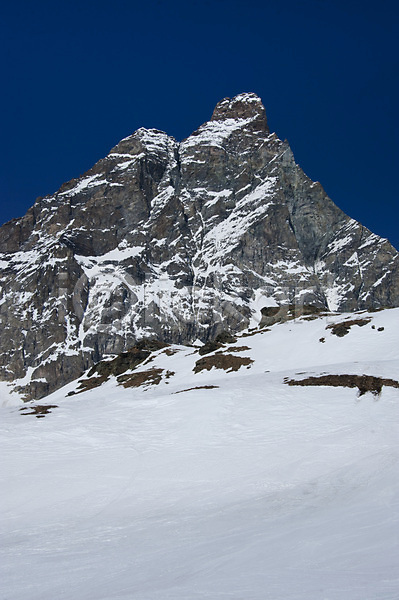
(79,76)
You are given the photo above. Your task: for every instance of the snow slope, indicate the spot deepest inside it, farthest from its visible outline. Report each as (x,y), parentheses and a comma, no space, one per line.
(249,490)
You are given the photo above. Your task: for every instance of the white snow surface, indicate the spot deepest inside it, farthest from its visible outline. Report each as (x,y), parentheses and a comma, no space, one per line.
(214,133)
(249,490)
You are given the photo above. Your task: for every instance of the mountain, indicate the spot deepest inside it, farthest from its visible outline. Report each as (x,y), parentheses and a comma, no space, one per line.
(178,242)
(206,474)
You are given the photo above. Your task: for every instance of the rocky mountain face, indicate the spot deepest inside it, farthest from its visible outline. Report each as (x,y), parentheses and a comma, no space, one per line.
(178,242)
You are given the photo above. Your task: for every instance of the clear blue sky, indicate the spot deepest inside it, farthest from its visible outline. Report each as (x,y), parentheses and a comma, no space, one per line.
(78,76)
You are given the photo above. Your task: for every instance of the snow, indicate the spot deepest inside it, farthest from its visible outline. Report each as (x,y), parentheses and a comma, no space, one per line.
(225,235)
(7,396)
(251,490)
(93,263)
(213,133)
(120,155)
(217,196)
(155,140)
(81,185)
(335,292)
(160,201)
(26,379)
(380,280)
(333,296)
(337,245)
(352,261)
(126,164)
(291,266)
(260,300)
(371,239)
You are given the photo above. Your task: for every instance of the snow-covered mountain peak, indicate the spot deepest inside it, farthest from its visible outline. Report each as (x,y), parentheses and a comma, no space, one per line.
(178,241)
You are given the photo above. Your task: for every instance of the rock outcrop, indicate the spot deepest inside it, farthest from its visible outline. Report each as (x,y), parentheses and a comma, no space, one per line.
(178,242)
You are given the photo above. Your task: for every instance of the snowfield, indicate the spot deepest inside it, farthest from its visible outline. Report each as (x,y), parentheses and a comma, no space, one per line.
(247,490)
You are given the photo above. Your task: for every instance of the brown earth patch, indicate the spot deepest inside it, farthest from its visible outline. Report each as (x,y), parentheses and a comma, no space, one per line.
(341,329)
(150,377)
(364,383)
(252,332)
(126,361)
(239,349)
(228,362)
(89,384)
(199,387)
(170,351)
(40,410)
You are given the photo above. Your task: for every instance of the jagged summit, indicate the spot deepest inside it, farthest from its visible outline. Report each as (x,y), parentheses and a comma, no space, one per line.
(246,106)
(178,241)
(140,139)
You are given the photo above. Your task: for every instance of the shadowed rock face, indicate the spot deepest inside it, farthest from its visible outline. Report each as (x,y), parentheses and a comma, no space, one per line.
(177,241)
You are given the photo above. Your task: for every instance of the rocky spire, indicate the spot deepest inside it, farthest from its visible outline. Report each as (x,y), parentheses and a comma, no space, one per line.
(247,106)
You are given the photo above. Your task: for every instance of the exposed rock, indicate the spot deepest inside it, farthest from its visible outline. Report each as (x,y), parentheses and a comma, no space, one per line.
(39,410)
(227,362)
(116,367)
(150,377)
(285,312)
(179,242)
(341,329)
(364,383)
(217,342)
(198,387)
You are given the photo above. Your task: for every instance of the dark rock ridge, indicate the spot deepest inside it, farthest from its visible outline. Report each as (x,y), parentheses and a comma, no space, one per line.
(178,242)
